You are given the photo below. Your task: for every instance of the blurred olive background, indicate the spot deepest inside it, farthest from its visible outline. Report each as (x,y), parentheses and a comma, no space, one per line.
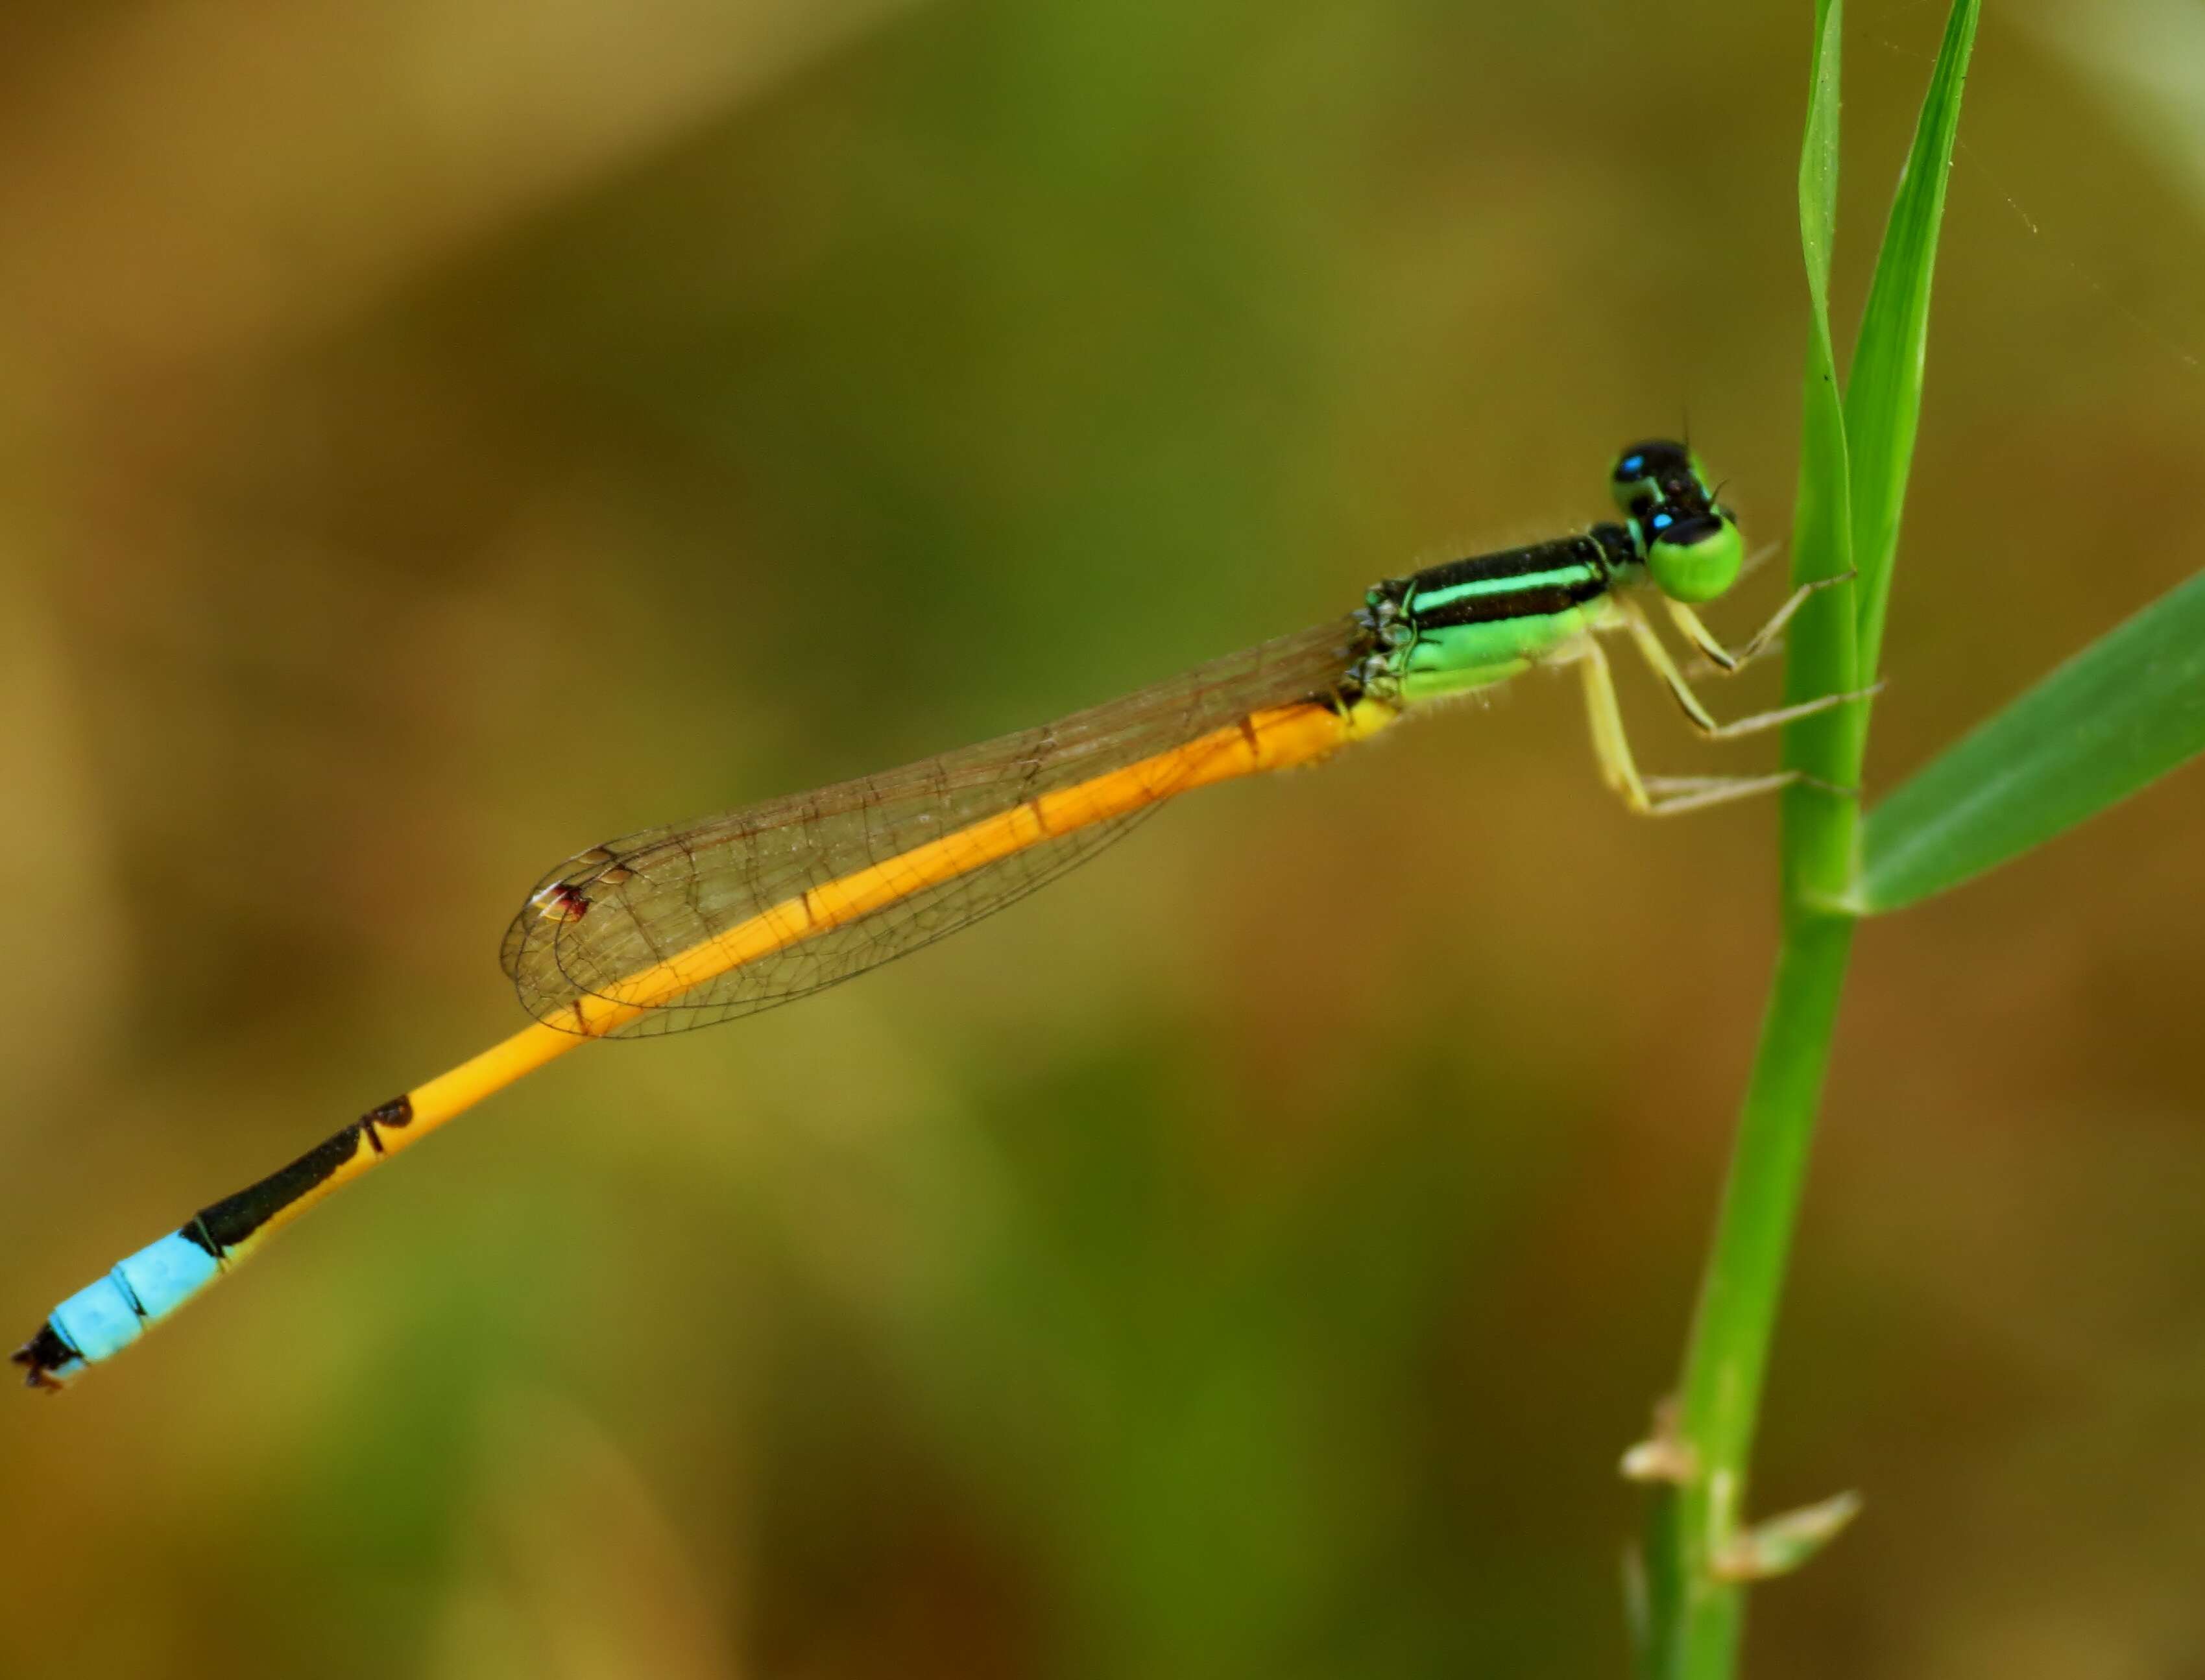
(440,434)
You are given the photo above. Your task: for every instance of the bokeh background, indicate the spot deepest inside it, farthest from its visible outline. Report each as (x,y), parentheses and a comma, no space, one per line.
(442,434)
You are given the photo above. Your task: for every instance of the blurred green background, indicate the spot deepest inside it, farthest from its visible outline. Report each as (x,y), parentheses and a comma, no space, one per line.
(437,436)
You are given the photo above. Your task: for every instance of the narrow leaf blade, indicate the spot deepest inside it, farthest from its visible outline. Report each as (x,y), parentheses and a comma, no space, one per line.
(1883,393)
(1821,541)
(2119,715)
(1818,844)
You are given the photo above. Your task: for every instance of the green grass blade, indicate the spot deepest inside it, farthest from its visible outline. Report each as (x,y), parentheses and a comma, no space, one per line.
(1698,1546)
(1695,1616)
(1818,154)
(1883,393)
(1818,833)
(2120,714)
(1821,526)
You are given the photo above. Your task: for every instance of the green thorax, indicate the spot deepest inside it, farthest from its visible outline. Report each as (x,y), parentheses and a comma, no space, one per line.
(1472,623)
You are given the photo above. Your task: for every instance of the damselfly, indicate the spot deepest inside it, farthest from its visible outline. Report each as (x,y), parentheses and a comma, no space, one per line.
(680,927)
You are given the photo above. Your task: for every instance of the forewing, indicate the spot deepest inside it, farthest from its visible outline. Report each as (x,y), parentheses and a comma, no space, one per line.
(610,912)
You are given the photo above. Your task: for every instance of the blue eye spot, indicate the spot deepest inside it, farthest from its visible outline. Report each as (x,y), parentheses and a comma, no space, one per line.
(1634,464)
(1662,521)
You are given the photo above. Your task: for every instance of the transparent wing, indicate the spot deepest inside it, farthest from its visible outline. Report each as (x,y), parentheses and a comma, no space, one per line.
(617,909)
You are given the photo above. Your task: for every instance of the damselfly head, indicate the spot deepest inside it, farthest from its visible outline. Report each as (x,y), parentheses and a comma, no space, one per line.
(1658,472)
(1691,544)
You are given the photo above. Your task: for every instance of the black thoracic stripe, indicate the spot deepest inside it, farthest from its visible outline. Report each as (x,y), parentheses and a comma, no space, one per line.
(1584,550)
(1534,600)
(1601,551)
(1515,604)
(234,1218)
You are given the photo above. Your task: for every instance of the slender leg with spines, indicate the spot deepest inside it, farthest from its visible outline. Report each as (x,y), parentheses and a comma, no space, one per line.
(1655,655)
(1727,660)
(1658,795)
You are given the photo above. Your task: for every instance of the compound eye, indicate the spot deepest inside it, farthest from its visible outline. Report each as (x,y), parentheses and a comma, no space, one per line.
(1657,457)
(1680,526)
(1684,530)
(1692,556)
